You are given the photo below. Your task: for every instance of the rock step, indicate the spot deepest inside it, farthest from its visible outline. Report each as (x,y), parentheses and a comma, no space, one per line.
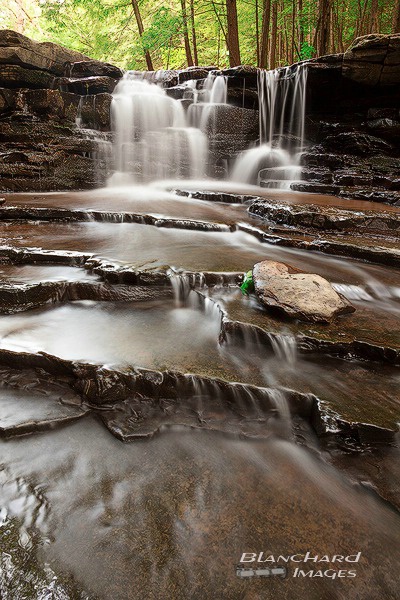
(327,218)
(109,389)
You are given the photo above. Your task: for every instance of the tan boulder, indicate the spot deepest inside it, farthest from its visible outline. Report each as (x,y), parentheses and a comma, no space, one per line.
(298,295)
(17,49)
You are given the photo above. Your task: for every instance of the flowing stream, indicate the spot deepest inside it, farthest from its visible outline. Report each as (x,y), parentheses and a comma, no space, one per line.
(241,435)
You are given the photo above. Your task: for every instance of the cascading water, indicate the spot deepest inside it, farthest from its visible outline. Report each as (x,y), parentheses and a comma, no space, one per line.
(282,100)
(152,137)
(214,93)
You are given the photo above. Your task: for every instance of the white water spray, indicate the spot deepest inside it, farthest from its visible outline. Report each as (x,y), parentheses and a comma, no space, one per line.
(282,101)
(152,137)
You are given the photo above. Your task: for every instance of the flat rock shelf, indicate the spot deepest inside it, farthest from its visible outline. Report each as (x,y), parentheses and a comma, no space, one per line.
(170,412)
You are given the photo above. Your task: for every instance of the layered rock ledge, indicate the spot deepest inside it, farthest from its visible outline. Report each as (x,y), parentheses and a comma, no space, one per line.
(352,117)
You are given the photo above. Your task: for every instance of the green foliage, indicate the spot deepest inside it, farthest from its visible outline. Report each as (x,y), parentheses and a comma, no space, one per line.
(107,29)
(247,286)
(306,51)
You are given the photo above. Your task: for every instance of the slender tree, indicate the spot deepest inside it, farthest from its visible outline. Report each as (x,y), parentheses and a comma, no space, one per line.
(266,18)
(374,17)
(139,22)
(232,33)
(188,50)
(274,30)
(396,18)
(194,37)
(324,27)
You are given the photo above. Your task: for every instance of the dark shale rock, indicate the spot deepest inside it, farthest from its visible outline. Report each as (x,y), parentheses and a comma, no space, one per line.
(318,175)
(388,129)
(373,60)
(372,195)
(15,76)
(356,143)
(86,85)
(168,78)
(314,188)
(95,111)
(177,92)
(383,113)
(243,97)
(327,218)
(226,146)
(50,104)
(7,101)
(223,118)
(317,158)
(92,68)
(242,72)
(17,49)
(194,73)
(296,294)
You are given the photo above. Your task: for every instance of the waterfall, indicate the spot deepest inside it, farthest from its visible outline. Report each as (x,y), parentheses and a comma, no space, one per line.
(282,98)
(284,347)
(282,102)
(152,139)
(214,93)
(217,88)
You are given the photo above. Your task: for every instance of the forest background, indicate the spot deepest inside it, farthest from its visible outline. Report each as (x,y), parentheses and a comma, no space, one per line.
(173,34)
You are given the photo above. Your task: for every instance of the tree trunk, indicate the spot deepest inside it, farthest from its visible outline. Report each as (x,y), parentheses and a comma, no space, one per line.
(221,28)
(139,22)
(233,33)
(266,18)
(274,41)
(293,31)
(257,35)
(396,18)
(324,27)
(373,18)
(361,29)
(301,26)
(188,50)
(194,37)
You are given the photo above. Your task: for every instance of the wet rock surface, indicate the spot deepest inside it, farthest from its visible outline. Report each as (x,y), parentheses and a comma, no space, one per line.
(30,403)
(326,218)
(282,430)
(359,336)
(373,59)
(214,520)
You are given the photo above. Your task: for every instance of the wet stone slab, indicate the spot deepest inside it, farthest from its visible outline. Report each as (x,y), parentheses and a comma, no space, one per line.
(372,331)
(18,297)
(42,273)
(120,201)
(309,216)
(156,516)
(153,334)
(138,418)
(30,403)
(146,246)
